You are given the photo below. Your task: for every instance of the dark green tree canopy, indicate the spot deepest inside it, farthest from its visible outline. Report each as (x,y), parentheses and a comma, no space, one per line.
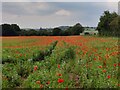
(10,30)
(75,30)
(14,29)
(105,26)
(56,31)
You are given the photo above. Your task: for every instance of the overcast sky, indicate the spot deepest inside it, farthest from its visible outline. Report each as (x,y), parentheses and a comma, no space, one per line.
(51,14)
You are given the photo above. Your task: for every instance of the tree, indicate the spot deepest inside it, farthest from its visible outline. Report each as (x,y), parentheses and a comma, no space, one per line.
(104,24)
(44,33)
(31,32)
(56,31)
(75,30)
(7,30)
(14,30)
(15,27)
(115,26)
(0,30)
(23,32)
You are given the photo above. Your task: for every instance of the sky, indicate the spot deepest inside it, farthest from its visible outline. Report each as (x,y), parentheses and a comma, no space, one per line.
(29,14)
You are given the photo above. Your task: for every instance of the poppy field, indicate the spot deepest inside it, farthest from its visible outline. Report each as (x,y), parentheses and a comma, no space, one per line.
(60,62)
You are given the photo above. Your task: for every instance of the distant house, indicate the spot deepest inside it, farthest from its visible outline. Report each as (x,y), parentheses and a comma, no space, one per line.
(89,31)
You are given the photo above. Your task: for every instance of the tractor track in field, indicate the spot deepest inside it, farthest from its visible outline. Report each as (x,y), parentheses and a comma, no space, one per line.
(47,52)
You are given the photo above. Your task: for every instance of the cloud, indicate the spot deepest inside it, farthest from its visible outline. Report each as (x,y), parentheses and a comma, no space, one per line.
(27,8)
(50,14)
(119,8)
(111,6)
(15,0)
(63,12)
(34,7)
(59,0)
(0,12)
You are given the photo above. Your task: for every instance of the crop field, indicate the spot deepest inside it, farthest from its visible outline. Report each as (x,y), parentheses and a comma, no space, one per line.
(60,62)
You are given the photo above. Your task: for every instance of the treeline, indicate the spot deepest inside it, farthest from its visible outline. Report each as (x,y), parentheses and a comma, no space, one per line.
(14,30)
(109,24)
(10,30)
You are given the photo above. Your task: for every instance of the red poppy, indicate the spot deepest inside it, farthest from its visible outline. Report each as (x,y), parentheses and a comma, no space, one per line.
(58,65)
(107,56)
(115,65)
(16,52)
(104,71)
(118,84)
(48,82)
(107,49)
(20,55)
(94,58)
(41,86)
(99,66)
(108,76)
(60,80)
(118,64)
(35,68)
(66,88)
(76,52)
(59,74)
(37,82)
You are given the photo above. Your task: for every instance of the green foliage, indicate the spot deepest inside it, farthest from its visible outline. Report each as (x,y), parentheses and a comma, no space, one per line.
(75,30)
(10,76)
(8,60)
(47,69)
(24,68)
(47,52)
(10,30)
(115,26)
(108,25)
(14,30)
(56,32)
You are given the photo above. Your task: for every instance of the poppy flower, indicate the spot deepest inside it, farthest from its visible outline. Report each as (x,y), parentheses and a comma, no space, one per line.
(17,52)
(107,49)
(118,84)
(94,58)
(118,64)
(35,68)
(115,65)
(48,82)
(107,56)
(108,76)
(66,88)
(104,71)
(20,55)
(76,52)
(58,65)
(41,86)
(59,74)
(37,82)
(60,80)
(99,66)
